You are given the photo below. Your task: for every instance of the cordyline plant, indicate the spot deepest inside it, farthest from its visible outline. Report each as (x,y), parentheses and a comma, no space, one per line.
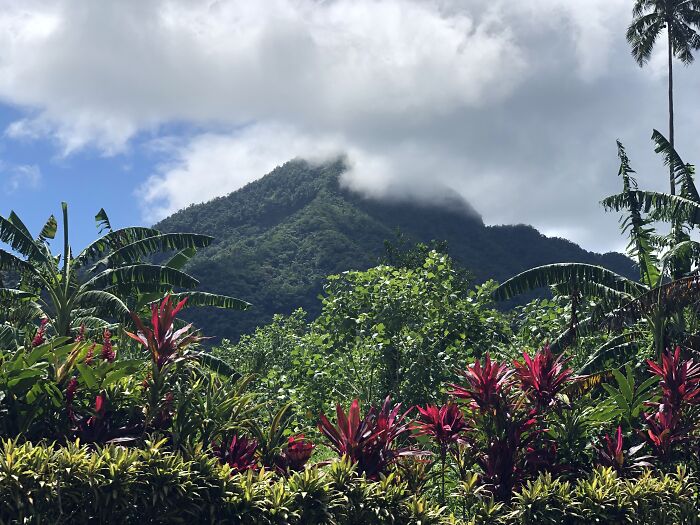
(611,453)
(238,452)
(166,346)
(98,424)
(664,430)
(485,385)
(371,441)
(680,380)
(542,376)
(446,426)
(508,438)
(680,388)
(164,342)
(296,454)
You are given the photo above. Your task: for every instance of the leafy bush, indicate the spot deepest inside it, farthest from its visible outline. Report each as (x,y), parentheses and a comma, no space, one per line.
(74,484)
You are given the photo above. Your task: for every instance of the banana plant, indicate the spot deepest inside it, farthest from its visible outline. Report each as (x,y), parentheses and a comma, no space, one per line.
(668,278)
(112,276)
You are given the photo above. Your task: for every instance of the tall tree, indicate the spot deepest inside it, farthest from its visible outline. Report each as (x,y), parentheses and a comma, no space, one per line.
(681,19)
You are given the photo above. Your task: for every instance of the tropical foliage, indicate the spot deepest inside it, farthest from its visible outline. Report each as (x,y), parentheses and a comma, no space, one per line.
(95,287)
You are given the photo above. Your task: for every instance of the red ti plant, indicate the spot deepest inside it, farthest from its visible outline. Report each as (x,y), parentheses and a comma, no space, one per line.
(238,452)
(664,431)
(680,380)
(162,339)
(369,441)
(445,425)
(513,452)
(612,454)
(542,377)
(296,454)
(485,384)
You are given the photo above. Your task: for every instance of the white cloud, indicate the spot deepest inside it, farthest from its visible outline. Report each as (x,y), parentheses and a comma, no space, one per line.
(216,164)
(514,104)
(98,73)
(17,177)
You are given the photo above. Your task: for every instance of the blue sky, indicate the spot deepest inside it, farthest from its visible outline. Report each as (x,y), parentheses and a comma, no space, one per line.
(146,107)
(86,180)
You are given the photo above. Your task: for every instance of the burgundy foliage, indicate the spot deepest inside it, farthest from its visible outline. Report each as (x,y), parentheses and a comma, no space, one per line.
(514,453)
(445,424)
(680,380)
(484,384)
(238,452)
(296,454)
(664,430)
(370,442)
(543,376)
(612,454)
(162,339)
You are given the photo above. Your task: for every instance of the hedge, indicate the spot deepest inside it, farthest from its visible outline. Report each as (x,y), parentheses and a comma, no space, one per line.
(74,484)
(43,483)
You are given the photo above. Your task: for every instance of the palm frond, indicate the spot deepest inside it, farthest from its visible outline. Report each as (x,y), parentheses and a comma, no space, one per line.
(683,173)
(156,244)
(561,273)
(20,241)
(12,295)
(48,231)
(112,241)
(9,261)
(210,299)
(102,221)
(218,365)
(130,277)
(665,299)
(623,346)
(105,302)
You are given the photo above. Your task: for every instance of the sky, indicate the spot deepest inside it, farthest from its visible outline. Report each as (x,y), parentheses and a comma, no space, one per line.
(145,107)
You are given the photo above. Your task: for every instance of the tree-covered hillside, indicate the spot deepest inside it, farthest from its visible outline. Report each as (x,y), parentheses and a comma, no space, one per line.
(277,238)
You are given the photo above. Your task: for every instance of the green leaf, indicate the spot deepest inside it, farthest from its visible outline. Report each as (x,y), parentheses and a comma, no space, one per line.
(105,302)
(210,299)
(624,387)
(20,241)
(112,241)
(49,229)
(180,259)
(162,242)
(218,365)
(87,375)
(127,276)
(562,273)
(102,221)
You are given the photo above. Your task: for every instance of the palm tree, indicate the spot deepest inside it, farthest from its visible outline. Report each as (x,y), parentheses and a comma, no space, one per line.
(660,299)
(111,277)
(680,18)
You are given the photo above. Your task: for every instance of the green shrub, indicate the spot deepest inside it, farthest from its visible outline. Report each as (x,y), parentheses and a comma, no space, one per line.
(75,484)
(603,497)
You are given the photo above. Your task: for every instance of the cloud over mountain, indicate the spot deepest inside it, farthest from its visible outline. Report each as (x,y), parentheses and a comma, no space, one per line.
(516,105)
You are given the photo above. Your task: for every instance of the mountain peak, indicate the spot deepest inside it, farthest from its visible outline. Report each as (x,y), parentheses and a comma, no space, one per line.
(277,238)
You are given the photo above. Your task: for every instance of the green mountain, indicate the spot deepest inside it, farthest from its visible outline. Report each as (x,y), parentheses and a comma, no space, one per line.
(278,237)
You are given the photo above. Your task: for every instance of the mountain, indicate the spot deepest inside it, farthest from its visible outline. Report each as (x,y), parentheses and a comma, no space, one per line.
(278,237)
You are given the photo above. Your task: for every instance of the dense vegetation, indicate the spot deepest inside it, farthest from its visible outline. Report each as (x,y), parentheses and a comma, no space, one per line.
(278,238)
(405,396)
(408,398)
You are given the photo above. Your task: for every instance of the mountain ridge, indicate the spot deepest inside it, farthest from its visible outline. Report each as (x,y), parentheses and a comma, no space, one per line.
(279,236)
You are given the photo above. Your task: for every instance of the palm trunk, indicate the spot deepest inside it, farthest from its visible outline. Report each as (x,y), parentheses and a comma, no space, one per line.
(670,105)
